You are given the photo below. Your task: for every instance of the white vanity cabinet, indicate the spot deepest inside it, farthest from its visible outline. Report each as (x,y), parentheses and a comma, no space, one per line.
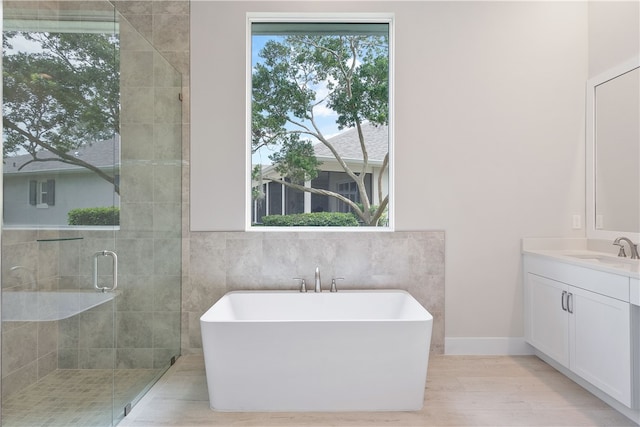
(634,292)
(581,319)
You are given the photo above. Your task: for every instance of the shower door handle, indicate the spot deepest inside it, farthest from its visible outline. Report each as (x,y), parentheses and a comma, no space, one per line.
(114,259)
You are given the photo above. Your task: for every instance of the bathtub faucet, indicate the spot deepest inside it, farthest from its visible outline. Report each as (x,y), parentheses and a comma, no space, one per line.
(303,284)
(318,287)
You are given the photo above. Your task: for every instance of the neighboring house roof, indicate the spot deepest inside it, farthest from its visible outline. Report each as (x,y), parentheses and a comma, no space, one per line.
(347,143)
(103,154)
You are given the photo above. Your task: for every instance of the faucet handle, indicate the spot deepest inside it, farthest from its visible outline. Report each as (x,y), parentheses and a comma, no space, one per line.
(334,288)
(621,252)
(303,284)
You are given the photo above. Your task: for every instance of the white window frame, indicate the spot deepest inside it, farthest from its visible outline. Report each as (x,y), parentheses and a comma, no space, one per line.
(255,17)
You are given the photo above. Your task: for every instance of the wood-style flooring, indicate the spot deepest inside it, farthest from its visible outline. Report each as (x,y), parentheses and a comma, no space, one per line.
(461,391)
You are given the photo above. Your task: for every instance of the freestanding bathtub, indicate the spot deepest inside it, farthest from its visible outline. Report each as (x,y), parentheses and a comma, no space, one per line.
(290,351)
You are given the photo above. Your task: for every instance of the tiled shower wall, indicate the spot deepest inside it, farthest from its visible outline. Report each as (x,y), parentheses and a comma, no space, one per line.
(29,349)
(223,262)
(165,24)
(149,240)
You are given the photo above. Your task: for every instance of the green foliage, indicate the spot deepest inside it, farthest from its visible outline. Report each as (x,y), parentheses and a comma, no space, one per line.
(314,219)
(296,160)
(60,95)
(383,221)
(369,95)
(256,187)
(94,216)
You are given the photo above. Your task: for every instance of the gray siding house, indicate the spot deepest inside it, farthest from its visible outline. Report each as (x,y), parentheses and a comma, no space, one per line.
(42,193)
(281,200)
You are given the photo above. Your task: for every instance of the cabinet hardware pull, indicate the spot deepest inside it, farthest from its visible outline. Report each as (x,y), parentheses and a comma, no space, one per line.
(570,303)
(564,306)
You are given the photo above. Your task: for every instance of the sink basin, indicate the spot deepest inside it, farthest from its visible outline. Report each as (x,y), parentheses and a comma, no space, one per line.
(593,257)
(606,259)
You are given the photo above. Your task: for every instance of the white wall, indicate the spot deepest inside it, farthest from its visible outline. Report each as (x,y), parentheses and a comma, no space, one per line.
(614,34)
(489,134)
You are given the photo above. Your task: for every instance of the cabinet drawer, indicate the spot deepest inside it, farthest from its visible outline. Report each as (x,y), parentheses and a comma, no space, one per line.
(601,282)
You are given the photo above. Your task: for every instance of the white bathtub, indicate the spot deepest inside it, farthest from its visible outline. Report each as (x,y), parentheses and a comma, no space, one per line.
(292,351)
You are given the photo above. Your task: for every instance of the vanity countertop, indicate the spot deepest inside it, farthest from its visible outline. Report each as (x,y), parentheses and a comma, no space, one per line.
(576,252)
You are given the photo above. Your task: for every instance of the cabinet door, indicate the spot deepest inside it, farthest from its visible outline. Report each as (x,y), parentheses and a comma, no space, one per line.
(601,342)
(548,326)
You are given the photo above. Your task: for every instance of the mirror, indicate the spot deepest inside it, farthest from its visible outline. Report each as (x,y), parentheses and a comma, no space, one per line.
(613,153)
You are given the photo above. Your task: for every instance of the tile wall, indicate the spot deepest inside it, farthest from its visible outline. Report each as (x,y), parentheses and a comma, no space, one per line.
(29,349)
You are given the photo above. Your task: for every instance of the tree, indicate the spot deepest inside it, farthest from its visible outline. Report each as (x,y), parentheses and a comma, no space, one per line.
(59,95)
(355,71)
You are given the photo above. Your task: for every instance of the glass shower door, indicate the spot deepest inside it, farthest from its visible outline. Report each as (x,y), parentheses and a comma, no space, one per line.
(149,241)
(91,173)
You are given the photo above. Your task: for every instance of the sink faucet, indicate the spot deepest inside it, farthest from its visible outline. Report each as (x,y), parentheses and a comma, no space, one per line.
(318,287)
(632,246)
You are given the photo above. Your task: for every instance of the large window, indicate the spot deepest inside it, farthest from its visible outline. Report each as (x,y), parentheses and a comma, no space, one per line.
(321,119)
(61,117)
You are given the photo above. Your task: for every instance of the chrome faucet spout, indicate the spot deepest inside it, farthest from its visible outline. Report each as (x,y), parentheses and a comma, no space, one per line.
(318,286)
(632,246)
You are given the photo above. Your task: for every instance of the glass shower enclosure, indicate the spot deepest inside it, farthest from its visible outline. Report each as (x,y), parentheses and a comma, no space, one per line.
(91,232)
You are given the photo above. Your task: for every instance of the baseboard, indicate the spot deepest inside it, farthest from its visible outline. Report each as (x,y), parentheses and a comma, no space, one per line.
(487,346)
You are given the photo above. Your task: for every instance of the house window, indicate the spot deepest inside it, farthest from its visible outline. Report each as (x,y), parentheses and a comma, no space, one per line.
(320,116)
(42,193)
(350,191)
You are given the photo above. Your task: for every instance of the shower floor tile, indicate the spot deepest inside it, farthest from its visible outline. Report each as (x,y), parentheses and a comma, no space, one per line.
(75,397)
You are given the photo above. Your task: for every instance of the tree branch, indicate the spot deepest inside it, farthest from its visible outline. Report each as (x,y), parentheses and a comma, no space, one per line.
(380,210)
(385,163)
(64,157)
(358,179)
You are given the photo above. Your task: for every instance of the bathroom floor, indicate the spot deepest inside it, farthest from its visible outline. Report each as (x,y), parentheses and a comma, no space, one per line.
(461,391)
(81,397)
